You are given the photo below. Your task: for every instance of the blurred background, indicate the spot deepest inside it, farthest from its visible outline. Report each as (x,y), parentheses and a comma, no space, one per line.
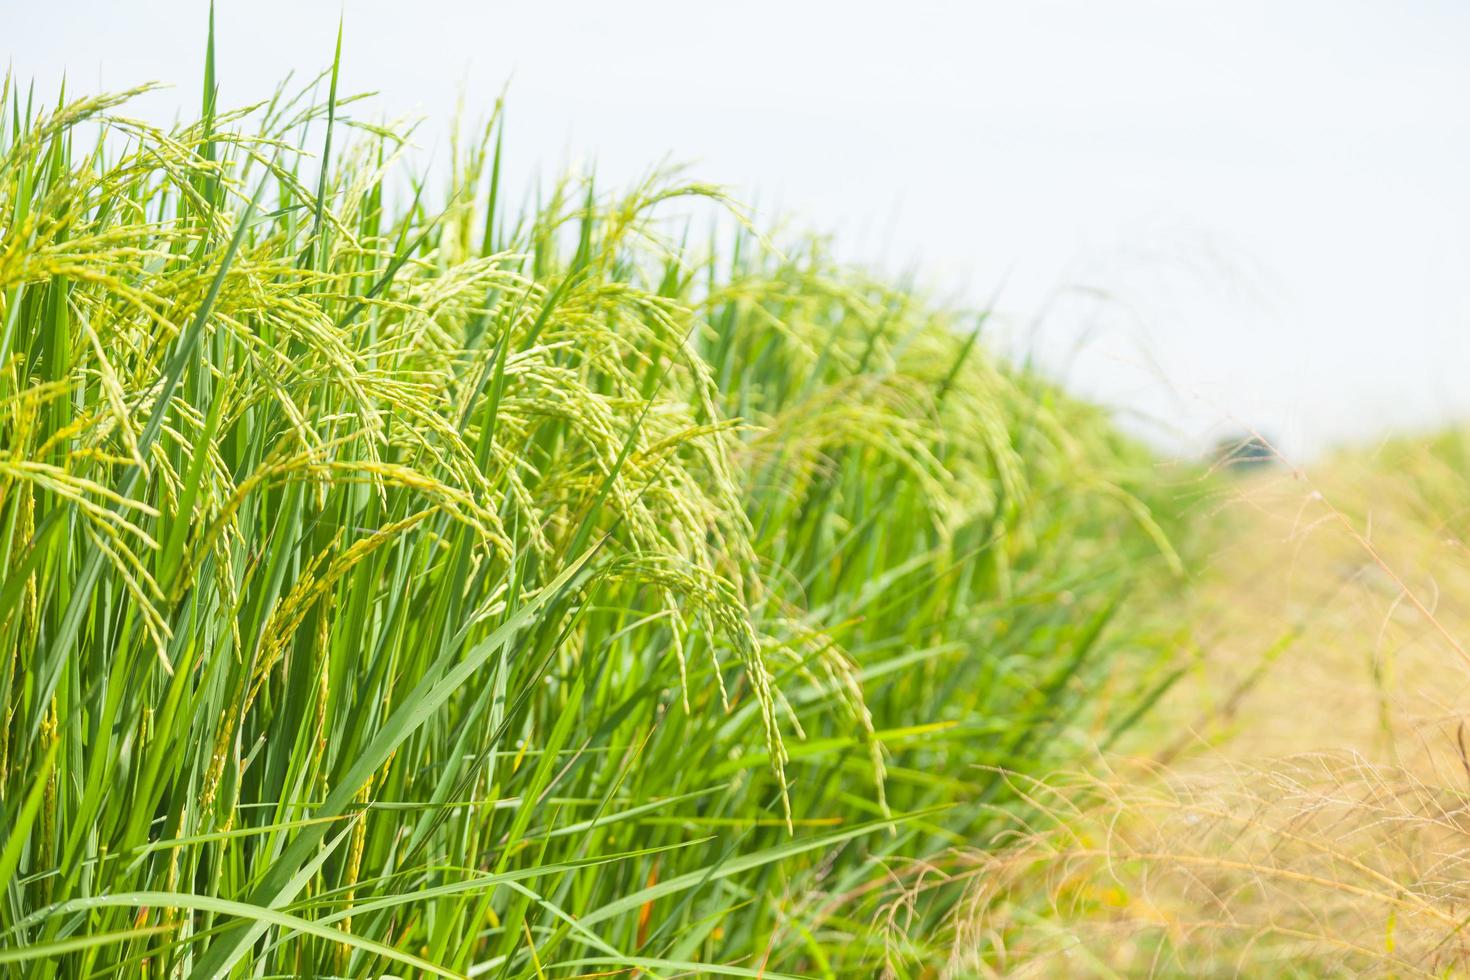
(1214,216)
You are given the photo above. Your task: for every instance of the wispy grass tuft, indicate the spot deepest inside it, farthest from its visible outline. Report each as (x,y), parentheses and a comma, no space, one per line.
(1304,812)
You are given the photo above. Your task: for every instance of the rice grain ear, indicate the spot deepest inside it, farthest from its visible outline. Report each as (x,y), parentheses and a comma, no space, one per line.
(578,556)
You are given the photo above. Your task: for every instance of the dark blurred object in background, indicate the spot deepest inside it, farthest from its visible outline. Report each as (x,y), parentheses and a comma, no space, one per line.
(1244,453)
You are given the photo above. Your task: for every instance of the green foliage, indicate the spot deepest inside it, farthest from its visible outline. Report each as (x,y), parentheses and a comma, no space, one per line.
(397,586)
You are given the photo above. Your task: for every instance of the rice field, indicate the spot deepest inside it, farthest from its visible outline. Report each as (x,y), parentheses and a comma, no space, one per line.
(405,577)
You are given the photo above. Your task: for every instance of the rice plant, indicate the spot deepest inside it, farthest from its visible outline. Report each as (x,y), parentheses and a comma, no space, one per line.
(398,583)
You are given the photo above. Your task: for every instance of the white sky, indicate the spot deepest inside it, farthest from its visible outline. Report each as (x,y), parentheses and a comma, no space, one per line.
(1230,213)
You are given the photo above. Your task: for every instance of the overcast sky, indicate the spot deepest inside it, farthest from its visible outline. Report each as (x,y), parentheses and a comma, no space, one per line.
(1222,214)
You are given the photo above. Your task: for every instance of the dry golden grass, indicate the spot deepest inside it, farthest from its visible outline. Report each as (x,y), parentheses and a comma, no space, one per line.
(1300,803)
(1331,619)
(1320,865)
